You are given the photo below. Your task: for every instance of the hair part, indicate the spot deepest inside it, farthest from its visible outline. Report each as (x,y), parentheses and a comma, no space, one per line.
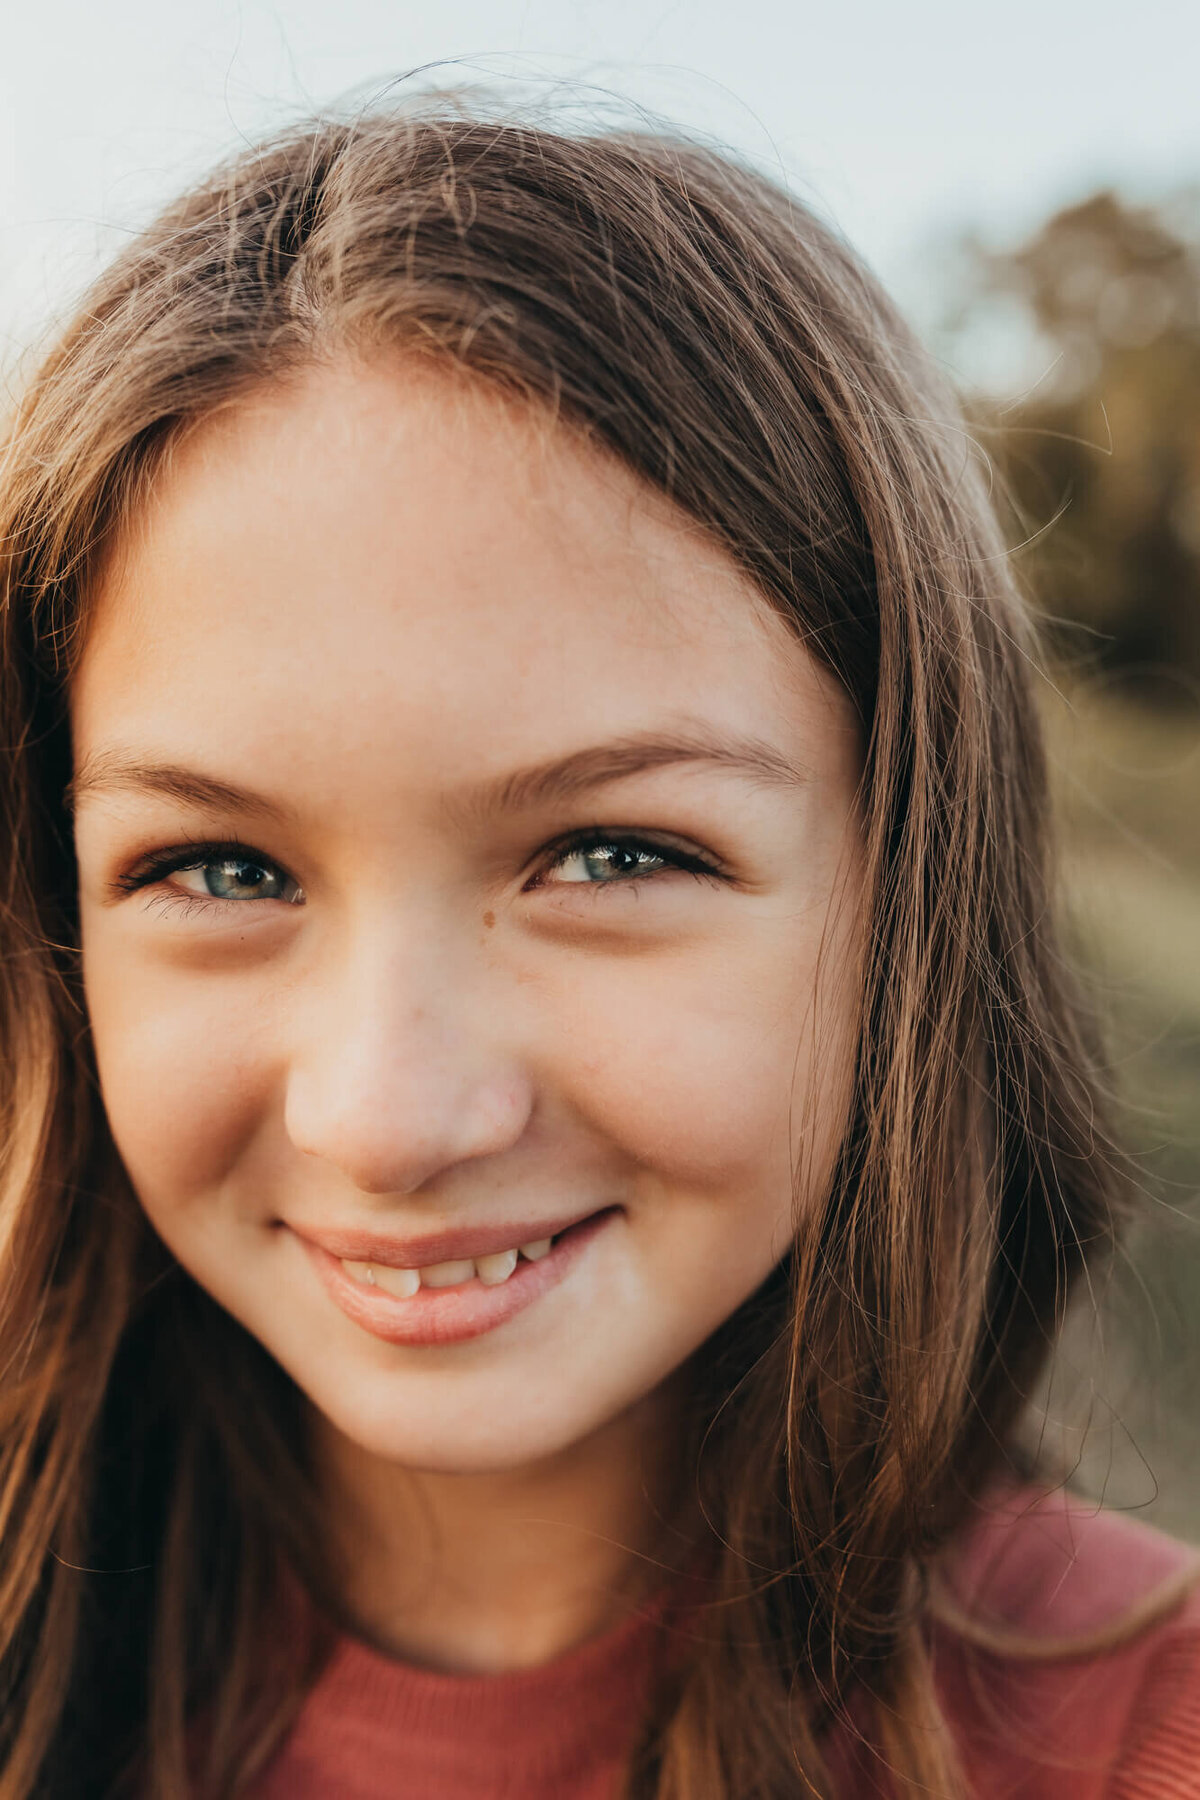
(698,323)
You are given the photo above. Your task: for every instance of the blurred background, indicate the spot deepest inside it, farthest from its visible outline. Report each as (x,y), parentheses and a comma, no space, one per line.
(1026,180)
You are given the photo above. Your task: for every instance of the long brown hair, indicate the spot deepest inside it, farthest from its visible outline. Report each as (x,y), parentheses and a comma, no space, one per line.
(693,318)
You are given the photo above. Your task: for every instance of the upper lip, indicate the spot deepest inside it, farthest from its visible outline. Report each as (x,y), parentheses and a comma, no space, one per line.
(467,1241)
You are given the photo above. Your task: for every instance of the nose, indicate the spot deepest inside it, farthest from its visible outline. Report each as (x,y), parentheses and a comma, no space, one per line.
(398,1074)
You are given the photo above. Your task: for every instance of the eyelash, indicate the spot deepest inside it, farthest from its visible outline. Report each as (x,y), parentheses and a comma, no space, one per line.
(157,868)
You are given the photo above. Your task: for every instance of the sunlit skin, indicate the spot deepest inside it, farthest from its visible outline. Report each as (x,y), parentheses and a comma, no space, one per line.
(369,597)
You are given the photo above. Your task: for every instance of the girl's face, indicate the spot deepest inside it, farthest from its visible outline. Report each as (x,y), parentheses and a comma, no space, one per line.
(467,859)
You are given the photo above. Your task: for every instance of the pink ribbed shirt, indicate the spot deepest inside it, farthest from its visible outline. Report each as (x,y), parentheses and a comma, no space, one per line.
(1099,1724)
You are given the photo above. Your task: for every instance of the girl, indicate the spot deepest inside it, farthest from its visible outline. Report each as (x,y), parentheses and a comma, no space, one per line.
(546,1134)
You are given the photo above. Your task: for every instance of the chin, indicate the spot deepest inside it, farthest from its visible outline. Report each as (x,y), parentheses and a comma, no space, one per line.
(485,1442)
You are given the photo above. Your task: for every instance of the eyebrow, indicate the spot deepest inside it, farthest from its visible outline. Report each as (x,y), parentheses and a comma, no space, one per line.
(524,790)
(116,771)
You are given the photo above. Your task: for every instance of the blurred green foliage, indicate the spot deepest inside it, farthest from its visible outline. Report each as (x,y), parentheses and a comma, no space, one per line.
(1098,467)
(1107,444)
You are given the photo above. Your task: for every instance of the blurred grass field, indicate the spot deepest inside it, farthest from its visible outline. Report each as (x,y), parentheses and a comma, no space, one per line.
(1127,782)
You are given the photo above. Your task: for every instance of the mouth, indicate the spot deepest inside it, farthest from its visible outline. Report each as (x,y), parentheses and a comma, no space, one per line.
(456,1298)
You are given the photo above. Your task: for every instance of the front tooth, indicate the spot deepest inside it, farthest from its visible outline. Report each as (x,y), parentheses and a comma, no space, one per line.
(403,1283)
(495,1269)
(539,1248)
(447,1274)
(364,1272)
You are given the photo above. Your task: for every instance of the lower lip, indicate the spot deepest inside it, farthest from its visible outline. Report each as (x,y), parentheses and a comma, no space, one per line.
(453,1315)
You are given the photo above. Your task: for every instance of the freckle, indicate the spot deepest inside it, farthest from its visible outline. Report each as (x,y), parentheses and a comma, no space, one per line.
(489,919)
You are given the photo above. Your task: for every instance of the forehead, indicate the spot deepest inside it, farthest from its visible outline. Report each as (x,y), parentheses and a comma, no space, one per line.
(383,558)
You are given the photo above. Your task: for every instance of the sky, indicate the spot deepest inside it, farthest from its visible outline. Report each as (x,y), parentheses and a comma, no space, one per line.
(902,121)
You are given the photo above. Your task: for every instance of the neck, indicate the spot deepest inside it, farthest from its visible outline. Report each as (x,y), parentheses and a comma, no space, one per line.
(483,1572)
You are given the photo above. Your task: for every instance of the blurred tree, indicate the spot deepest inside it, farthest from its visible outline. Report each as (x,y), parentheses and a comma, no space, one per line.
(1102,457)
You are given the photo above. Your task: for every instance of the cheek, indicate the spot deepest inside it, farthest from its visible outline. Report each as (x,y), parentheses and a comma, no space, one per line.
(715,1077)
(185,1073)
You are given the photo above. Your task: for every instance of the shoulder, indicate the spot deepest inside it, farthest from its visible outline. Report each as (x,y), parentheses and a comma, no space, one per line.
(1161,1753)
(1067,1652)
(1050,1566)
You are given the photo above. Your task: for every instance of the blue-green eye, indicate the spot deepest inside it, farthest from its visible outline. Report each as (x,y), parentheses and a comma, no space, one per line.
(609,862)
(237,878)
(215,872)
(600,860)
